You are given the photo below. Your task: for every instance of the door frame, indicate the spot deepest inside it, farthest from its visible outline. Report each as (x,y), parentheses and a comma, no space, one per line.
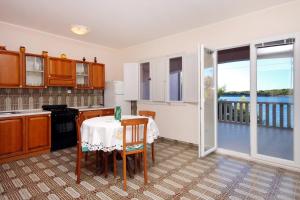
(253,100)
(201,147)
(253,156)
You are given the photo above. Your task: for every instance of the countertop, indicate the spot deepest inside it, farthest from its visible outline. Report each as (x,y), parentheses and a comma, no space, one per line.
(20,113)
(87,108)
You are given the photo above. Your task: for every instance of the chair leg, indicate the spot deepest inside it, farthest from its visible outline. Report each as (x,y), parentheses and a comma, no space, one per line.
(78,170)
(145,168)
(136,159)
(105,158)
(124,171)
(140,156)
(86,156)
(97,158)
(115,162)
(153,153)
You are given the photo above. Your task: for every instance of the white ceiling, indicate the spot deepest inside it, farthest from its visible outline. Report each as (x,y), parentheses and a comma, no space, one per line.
(122,23)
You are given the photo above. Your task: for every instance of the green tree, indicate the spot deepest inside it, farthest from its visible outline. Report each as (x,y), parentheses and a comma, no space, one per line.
(221,90)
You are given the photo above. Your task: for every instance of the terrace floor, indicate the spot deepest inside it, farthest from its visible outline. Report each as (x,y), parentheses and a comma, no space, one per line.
(274,142)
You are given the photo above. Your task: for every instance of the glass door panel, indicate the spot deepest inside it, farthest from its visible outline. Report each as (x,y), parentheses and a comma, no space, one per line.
(275,101)
(208,102)
(234,99)
(82,74)
(34,70)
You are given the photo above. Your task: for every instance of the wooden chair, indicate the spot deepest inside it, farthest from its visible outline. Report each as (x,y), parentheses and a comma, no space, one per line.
(80,151)
(151,114)
(136,146)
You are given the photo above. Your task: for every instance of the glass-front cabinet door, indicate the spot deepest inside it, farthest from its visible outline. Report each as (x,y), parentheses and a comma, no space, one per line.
(34,70)
(82,75)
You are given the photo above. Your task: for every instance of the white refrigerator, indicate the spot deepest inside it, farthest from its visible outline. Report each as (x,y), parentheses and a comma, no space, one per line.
(114,96)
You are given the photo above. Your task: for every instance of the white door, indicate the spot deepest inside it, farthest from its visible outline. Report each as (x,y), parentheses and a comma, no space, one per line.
(208,101)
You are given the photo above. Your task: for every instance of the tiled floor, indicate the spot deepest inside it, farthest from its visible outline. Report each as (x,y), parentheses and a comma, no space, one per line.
(178,174)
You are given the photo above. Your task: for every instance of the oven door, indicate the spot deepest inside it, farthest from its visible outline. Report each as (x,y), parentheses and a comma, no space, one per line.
(63,131)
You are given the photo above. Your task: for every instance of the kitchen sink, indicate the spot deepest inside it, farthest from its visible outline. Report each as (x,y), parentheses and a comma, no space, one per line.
(9,112)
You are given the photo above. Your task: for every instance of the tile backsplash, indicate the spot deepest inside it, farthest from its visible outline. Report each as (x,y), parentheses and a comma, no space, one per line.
(23,99)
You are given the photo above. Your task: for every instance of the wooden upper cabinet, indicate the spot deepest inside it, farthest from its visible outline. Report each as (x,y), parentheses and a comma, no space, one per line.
(34,70)
(38,132)
(12,137)
(10,69)
(61,72)
(98,75)
(83,75)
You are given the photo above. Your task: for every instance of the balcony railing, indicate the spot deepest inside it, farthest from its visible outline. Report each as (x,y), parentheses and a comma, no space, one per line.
(269,114)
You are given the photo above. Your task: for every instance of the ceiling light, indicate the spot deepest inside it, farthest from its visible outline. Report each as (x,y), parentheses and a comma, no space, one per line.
(79,29)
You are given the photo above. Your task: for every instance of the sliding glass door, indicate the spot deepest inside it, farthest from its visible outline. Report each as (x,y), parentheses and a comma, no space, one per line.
(263,121)
(275,99)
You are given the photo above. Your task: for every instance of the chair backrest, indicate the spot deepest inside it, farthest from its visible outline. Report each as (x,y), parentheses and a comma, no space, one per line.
(147,113)
(135,125)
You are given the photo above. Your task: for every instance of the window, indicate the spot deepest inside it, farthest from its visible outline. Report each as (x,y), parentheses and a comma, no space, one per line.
(175,79)
(145,81)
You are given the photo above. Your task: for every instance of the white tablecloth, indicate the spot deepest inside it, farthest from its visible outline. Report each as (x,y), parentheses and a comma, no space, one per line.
(106,133)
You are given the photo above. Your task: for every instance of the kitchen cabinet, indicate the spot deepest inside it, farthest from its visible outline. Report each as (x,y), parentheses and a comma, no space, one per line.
(131,81)
(83,75)
(61,72)
(38,132)
(23,136)
(10,69)
(34,75)
(12,137)
(96,113)
(98,75)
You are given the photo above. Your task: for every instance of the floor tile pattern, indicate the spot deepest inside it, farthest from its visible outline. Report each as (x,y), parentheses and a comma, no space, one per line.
(177,174)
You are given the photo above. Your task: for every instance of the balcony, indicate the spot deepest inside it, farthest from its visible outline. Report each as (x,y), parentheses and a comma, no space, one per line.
(274,130)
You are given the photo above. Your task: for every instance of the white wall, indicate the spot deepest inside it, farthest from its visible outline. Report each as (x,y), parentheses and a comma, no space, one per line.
(175,121)
(180,121)
(13,36)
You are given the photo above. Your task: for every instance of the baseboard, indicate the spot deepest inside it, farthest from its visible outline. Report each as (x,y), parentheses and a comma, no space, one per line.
(179,141)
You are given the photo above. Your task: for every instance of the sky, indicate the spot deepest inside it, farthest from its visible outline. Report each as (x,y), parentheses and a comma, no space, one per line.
(275,73)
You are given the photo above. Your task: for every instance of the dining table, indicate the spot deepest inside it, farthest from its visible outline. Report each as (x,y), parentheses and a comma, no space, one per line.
(106,133)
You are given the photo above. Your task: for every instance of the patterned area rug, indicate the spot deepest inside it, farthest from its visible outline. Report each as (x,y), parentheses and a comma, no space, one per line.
(177,174)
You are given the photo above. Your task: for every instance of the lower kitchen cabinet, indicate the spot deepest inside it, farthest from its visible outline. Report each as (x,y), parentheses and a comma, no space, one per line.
(23,136)
(96,113)
(12,137)
(38,133)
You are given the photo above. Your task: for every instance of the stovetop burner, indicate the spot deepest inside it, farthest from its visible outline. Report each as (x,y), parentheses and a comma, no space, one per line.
(59,108)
